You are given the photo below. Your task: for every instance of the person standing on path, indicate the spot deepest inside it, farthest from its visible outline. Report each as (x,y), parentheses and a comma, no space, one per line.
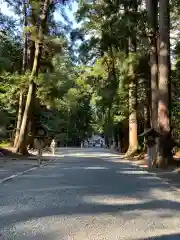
(53,146)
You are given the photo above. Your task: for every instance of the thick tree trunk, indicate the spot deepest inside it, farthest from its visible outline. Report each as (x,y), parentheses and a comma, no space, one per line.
(133,139)
(151,6)
(164,146)
(133,135)
(115,136)
(32,124)
(147,102)
(31,54)
(22,143)
(32,129)
(124,138)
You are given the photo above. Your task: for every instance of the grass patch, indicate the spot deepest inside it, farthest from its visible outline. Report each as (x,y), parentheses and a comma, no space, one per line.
(5,144)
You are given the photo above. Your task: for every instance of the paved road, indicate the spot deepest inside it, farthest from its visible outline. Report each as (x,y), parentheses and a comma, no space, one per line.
(88,194)
(14,167)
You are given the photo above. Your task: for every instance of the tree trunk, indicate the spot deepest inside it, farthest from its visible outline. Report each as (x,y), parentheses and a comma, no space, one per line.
(164,146)
(147,115)
(32,124)
(22,143)
(116,139)
(31,54)
(24,68)
(151,6)
(32,131)
(147,100)
(19,119)
(133,138)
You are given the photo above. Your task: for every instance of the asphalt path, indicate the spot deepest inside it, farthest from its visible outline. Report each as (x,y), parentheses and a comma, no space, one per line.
(89,194)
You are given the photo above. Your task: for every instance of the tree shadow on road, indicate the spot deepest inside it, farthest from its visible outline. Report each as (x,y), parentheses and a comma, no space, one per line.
(84,185)
(172,236)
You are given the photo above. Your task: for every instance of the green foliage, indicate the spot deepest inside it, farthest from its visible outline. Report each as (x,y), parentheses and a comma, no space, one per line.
(105,51)
(175,95)
(63,97)
(85,91)
(10,53)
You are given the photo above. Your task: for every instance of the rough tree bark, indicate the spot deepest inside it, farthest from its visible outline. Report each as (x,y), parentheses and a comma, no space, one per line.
(151,7)
(22,143)
(133,138)
(31,55)
(19,119)
(164,126)
(147,111)
(32,124)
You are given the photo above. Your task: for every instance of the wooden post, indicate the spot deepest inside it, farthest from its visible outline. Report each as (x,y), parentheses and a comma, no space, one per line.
(39,148)
(150,156)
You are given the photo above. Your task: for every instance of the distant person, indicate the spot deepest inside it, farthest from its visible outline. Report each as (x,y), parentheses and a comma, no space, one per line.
(53,146)
(85,143)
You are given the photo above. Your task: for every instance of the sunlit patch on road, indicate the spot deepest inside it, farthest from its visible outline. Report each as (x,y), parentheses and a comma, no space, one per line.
(132,172)
(113,200)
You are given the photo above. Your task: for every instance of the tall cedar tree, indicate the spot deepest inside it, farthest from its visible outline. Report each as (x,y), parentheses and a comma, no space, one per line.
(164,123)
(22,141)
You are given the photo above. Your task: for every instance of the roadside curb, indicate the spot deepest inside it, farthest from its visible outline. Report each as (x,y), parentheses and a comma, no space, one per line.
(23,172)
(16,175)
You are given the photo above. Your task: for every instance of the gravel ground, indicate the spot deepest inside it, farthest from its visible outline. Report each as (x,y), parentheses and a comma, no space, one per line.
(89,194)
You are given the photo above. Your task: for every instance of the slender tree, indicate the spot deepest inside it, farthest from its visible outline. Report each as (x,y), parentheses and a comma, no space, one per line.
(133,138)
(24,68)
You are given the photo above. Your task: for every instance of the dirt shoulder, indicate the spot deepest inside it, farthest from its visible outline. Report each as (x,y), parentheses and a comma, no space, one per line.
(171,174)
(12,163)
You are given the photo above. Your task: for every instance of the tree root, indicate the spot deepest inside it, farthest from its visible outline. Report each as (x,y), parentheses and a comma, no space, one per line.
(140,156)
(130,153)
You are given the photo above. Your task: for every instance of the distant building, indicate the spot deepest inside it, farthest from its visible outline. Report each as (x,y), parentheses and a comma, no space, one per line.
(96,140)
